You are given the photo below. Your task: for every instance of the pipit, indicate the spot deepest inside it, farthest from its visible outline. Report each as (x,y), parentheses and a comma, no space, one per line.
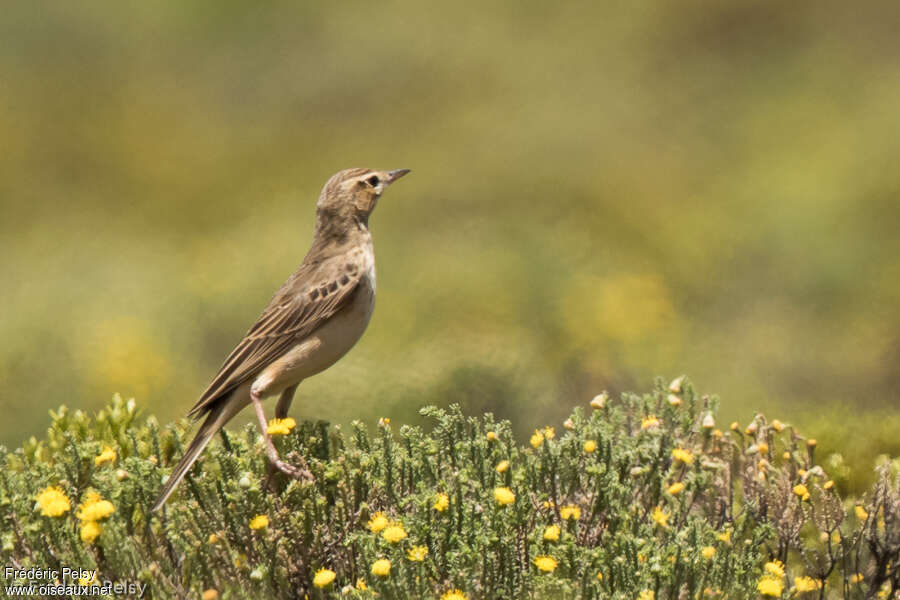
(312,321)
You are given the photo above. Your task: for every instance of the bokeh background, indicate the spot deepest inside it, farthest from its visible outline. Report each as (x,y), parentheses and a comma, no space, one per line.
(601,193)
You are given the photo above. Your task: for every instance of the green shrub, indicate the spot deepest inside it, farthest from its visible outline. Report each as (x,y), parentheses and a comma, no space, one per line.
(641,497)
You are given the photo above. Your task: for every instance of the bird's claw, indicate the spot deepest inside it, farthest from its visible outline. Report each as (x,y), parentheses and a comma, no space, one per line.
(301,473)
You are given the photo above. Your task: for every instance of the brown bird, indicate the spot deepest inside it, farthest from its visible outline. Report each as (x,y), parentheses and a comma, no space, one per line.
(312,321)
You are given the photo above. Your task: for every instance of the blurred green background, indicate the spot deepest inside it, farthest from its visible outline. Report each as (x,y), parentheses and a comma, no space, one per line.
(601,193)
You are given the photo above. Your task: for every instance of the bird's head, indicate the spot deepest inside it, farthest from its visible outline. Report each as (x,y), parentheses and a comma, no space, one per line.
(351,195)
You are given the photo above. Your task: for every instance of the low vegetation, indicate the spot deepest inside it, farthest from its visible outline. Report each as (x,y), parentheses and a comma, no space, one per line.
(640,497)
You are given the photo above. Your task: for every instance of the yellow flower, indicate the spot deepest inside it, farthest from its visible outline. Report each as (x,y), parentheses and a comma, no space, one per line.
(861,513)
(708,552)
(768,586)
(491,436)
(417,553)
(786,455)
(95,508)
(646,595)
(379,521)
(674,400)
(441,503)
(546,564)
(53,502)
(725,536)
(777,425)
(676,488)
(682,455)
(660,516)
(599,400)
(259,522)
(393,533)
(599,575)
(807,584)
(828,484)
(856,578)
(801,490)
(281,426)
(89,531)
(649,422)
(85,581)
(569,424)
(504,496)
(775,568)
(502,466)
(210,594)
(549,433)
(570,512)
(811,443)
(454,595)
(212,539)
(323,578)
(763,448)
(108,454)
(735,426)
(551,533)
(537,439)
(361,584)
(381,567)
(590,446)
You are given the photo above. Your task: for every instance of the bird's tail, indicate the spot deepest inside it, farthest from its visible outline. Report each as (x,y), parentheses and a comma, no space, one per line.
(218,415)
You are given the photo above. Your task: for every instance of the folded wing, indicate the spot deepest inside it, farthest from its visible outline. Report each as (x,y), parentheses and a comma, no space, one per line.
(309,298)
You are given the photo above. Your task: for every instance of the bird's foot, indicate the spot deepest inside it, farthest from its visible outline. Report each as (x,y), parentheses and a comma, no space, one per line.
(301,472)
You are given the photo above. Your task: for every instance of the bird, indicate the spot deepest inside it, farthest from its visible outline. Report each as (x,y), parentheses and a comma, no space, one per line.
(313,320)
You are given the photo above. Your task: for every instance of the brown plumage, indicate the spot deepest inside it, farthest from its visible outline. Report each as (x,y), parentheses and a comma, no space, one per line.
(314,319)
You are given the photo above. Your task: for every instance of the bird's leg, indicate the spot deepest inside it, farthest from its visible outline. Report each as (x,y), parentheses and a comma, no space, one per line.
(284,402)
(281,411)
(270,447)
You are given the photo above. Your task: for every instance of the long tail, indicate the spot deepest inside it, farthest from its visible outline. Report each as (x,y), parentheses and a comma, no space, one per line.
(218,415)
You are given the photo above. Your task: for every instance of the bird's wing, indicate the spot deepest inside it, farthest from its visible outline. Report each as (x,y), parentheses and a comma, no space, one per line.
(307,299)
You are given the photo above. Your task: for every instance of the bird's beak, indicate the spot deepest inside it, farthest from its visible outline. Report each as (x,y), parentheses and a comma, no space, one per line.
(396,174)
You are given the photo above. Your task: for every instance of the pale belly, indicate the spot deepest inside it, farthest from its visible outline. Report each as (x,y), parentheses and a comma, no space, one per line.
(324,346)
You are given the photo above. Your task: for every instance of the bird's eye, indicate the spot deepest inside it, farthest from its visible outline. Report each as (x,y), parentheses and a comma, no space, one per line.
(373,180)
